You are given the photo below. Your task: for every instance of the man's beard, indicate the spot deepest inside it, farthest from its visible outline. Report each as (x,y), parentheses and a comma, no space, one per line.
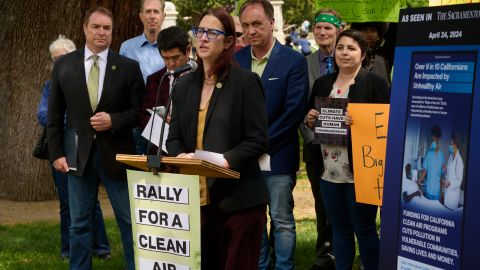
(152,31)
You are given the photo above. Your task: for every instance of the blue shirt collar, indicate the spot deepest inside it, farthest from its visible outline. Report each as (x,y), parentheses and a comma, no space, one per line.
(142,41)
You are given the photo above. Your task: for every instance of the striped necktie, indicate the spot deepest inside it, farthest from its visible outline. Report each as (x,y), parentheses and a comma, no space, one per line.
(92,82)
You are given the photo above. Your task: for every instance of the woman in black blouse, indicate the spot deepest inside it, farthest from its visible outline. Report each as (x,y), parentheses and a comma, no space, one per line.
(334,163)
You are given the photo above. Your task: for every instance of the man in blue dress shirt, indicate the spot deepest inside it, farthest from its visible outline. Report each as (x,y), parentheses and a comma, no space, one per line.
(143,48)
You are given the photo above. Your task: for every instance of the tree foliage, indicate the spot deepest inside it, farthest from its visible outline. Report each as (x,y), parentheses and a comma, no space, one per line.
(190,10)
(296,11)
(417,3)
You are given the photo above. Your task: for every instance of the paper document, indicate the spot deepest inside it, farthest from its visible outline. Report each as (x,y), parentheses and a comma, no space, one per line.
(212,157)
(157,126)
(264,162)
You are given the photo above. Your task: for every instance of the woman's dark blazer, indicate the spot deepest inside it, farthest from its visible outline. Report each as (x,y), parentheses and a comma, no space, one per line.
(368,88)
(235,126)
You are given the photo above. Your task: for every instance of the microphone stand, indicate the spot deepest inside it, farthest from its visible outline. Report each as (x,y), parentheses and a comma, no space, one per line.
(149,143)
(154,162)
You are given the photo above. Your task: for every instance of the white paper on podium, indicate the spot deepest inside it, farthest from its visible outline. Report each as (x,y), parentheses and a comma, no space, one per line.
(212,157)
(157,126)
(218,159)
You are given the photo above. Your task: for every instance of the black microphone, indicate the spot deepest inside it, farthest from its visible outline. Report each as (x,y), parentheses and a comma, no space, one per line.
(189,66)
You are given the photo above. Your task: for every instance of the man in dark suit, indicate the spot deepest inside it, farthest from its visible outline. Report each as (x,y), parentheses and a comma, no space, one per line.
(175,49)
(102,92)
(284,76)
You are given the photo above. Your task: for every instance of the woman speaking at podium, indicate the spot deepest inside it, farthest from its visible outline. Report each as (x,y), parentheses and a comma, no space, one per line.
(221,108)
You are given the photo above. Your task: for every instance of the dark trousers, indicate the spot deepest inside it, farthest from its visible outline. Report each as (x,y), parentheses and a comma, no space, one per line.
(323,246)
(350,219)
(100,240)
(231,241)
(82,198)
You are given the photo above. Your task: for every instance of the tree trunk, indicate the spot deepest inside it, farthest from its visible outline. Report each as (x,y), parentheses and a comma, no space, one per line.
(26,30)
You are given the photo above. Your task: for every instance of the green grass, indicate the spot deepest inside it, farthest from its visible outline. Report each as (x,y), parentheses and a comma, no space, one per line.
(306,238)
(37,246)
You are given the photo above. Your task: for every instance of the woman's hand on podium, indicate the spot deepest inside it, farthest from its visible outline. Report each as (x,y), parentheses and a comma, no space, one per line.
(225,164)
(185,155)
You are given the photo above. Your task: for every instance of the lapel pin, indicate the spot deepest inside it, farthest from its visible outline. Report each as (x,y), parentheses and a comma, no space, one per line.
(114,67)
(219,85)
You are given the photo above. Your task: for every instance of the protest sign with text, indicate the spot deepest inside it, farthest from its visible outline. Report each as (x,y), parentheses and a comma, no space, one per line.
(165,211)
(365,10)
(369,145)
(330,125)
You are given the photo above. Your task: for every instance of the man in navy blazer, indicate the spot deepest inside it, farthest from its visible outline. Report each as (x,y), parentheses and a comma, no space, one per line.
(102,109)
(284,76)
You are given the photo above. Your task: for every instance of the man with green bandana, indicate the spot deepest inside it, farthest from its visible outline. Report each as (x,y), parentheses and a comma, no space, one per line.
(328,26)
(326,29)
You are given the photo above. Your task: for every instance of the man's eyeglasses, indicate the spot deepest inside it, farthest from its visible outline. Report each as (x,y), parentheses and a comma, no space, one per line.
(212,34)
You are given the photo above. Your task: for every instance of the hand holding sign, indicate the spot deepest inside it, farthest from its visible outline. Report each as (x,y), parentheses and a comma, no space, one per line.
(311,116)
(329,127)
(348,118)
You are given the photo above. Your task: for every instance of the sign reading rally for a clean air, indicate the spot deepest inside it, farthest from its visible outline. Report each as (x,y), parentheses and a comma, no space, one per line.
(430,217)
(165,220)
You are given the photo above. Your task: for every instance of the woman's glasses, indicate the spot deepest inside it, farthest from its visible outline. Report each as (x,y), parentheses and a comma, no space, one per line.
(212,34)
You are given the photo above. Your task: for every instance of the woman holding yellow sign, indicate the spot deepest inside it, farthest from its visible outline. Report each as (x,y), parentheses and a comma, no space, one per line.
(349,218)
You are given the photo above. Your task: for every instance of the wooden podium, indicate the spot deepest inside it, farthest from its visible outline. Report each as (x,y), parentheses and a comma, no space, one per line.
(184,166)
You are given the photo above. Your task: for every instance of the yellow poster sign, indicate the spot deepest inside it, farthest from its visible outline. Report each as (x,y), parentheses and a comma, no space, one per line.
(365,10)
(369,144)
(165,211)
(433,3)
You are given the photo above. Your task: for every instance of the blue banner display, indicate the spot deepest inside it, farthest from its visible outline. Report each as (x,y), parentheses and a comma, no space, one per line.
(431,188)
(438,110)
